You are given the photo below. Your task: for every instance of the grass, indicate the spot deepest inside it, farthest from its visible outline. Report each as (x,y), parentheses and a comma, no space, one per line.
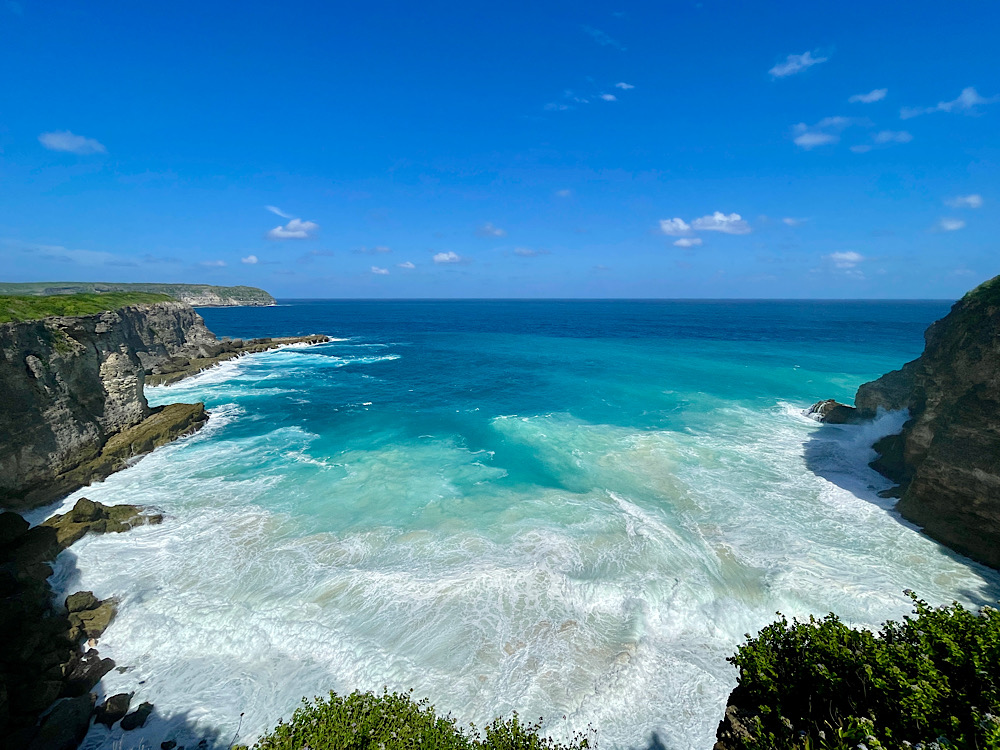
(14,309)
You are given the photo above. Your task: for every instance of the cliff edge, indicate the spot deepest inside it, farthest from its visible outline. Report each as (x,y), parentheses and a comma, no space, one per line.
(196,295)
(71,384)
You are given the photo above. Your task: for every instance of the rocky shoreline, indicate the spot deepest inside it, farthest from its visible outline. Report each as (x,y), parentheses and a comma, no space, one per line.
(74,413)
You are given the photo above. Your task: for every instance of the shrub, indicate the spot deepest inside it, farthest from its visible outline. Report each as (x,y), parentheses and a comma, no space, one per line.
(933,678)
(394,721)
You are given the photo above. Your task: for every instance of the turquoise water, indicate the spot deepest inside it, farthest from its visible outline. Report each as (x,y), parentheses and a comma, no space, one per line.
(561,508)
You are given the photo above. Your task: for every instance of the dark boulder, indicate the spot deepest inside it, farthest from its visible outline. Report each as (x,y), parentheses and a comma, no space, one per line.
(84,672)
(65,725)
(113,709)
(137,718)
(831,411)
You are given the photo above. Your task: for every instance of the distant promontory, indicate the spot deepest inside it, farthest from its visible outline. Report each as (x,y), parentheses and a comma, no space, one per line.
(196,295)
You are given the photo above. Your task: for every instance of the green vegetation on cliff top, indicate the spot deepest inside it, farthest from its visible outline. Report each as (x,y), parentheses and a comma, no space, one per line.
(932,680)
(234,295)
(16,309)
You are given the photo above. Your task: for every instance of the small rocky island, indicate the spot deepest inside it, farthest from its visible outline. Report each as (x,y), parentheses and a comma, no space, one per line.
(946,460)
(74,412)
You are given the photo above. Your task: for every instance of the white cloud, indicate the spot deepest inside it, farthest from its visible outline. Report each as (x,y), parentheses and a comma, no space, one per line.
(688,242)
(967,101)
(796,64)
(556,107)
(448,257)
(872,96)
(377,250)
(296,229)
(846,259)
(603,39)
(250,260)
(965,201)
(564,193)
(406,264)
(720,222)
(380,271)
(489,230)
(278,211)
(892,136)
(64,140)
(527,252)
(624,86)
(950,225)
(213,263)
(609,97)
(674,227)
(793,222)
(809,139)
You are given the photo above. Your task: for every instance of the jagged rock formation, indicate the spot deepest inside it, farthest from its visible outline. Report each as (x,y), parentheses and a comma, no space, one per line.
(197,295)
(947,457)
(71,384)
(41,661)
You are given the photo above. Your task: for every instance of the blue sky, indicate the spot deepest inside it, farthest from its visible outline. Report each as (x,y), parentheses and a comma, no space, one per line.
(542,149)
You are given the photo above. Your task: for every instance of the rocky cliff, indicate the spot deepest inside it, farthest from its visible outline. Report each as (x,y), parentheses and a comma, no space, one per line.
(70,384)
(947,457)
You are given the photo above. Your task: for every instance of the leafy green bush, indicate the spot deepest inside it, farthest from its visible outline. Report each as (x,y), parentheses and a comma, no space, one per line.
(933,678)
(394,721)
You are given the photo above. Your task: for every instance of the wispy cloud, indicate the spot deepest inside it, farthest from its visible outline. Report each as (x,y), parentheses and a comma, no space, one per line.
(565,193)
(447,257)
(965,201)
(64,140)
(892,136)
(296,229)
(967,101)
(793,222)
(720,222)
(489,230)
(527,252)
(602,39)
(715,222)
(624,86)
(407,265)
(609,97)
(824,132)
(950,225)
(876,95)
(845,259)
(377,250)
(380,271)
(279,212)
(250,260)
(213,263)
(796,64)
(688,242)
(675,227)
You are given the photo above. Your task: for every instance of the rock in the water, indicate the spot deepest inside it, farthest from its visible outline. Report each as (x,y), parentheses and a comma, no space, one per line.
(85,671)
(113,709)
(168,745)
(12,526)
(88,516)
(66,724)
(93,621)
(833,412)
(137,718)
(81,600)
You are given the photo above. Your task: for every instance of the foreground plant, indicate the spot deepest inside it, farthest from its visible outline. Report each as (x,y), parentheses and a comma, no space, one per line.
(931,680)
(394,721)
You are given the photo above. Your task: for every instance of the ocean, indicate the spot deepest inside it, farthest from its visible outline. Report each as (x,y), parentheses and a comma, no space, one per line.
(569,509)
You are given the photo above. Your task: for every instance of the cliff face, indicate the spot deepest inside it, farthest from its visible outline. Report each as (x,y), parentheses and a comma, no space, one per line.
(948,454)
(69,384)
